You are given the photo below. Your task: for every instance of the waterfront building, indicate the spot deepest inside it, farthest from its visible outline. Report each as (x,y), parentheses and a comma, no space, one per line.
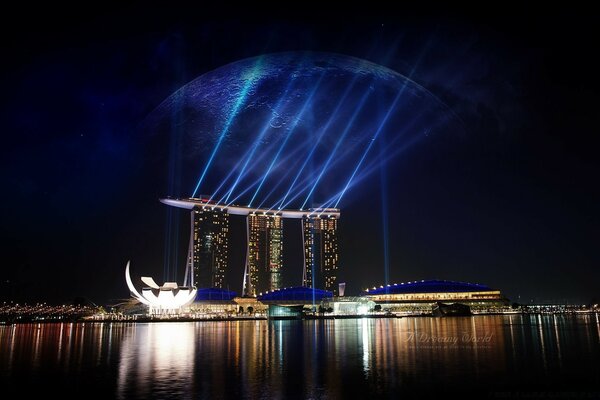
(321,256)
(168,299)
(295,296)
(207,259)
(265,253)
(208,248)
(213,302)
(423,295)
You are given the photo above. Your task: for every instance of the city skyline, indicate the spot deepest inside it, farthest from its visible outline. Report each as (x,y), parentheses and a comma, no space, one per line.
(355,203)
(508,199)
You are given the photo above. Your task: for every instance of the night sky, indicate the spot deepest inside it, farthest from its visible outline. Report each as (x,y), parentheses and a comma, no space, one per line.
(511,202)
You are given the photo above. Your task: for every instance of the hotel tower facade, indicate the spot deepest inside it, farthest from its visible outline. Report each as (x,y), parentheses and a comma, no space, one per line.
(208,257)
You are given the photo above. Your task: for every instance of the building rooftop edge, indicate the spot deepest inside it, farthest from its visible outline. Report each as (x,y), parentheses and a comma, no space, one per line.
(233,209)
(427,286)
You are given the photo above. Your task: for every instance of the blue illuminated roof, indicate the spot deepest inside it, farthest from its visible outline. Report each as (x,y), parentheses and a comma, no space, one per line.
(299,293)
(429,286)
(215,294)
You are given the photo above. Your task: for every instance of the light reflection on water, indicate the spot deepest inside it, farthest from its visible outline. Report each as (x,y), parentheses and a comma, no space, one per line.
(157,359)
(304,359)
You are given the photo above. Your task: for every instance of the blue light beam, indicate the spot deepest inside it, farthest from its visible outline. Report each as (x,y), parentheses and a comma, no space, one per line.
(370,168)
(232,171)
(379,130)
(257,142)
(322,132)
(363,100)
(384,216)
(300,190)
(236,107)
(387,115)
(249,187)
(292,129)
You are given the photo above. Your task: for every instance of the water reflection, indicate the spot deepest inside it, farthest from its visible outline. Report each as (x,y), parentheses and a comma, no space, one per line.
(304,359)
(157,359)
(366,340)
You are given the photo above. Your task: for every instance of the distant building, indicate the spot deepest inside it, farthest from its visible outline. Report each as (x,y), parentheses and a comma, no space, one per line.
(422,295)
(321,255)
(208,251)
(265,253)
(214,302)
(295,296)
(215,294)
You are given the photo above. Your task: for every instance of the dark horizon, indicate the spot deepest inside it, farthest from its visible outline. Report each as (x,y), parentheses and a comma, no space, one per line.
(511,201)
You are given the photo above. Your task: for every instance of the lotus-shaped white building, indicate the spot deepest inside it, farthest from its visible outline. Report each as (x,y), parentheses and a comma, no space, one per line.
(166,299)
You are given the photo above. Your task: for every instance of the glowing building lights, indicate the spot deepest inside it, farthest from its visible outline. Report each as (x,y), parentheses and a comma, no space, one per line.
(166,299)
(265,253)
(208,251)
(320,251)
(208,260)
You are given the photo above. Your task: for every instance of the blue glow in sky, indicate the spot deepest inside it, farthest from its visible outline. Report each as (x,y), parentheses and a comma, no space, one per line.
(329,105)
